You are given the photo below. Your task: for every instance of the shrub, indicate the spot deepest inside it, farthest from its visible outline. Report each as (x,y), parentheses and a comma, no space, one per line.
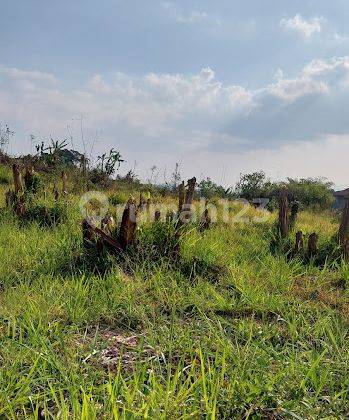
(118,198)
(46,215)
(34,184)
(5,175)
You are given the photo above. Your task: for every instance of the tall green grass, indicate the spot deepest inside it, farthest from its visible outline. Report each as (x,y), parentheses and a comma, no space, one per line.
(229,331)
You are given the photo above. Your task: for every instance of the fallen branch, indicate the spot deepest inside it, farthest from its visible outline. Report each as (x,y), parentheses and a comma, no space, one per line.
(92,234)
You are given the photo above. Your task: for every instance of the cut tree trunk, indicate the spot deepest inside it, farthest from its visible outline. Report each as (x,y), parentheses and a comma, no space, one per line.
(128,225)
(205,220)
(17,178)
(283,214)
(92,234)
(29,176)
(185,199)
(190,191)
(312,244)
(298,248)
(344,231)
(181,196)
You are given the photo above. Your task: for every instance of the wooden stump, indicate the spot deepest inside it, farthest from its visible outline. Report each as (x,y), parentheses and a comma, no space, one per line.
(185,199)
(157,216)
(128,225)
(181,196)
(294,214)
(312,244)
(344,231)
(17,178)
(298,248)
(283,213)
(190,191)
(29,177)
(205,220)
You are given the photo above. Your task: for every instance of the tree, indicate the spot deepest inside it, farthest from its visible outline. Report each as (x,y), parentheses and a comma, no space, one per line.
(5,135)
(57,154)
(252,185)
(311,192)
(109,163)
(208,189)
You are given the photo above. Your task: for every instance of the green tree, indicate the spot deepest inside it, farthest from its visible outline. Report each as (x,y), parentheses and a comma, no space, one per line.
(311,192)
(208,189)
(252,185)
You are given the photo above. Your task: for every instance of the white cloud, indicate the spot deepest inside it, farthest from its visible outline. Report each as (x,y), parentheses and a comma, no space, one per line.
(193,17)
(170,115)
(293,89)
(323,67)
(307,28)
(196,16)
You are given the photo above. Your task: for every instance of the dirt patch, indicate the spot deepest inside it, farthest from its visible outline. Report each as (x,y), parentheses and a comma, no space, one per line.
(112,349)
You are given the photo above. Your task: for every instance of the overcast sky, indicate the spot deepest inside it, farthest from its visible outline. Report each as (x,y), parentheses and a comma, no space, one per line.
(222,87)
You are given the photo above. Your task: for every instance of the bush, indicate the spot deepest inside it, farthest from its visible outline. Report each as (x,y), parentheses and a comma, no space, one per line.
(5,175)
(34,184)
(118,198)
(46,215)
(208,189)
(313,193)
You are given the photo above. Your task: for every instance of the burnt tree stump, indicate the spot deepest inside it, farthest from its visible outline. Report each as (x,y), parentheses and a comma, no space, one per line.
(298,248)
(189,196)
(29,177)
(128,225)
(283,213)
(312,244)
(344,231)
(205,222)
(181,196)
(294,214)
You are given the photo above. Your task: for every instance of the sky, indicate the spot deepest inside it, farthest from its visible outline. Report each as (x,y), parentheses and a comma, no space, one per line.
(221,87)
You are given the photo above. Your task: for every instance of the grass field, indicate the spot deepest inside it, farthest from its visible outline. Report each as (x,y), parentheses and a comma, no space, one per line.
(231,331)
